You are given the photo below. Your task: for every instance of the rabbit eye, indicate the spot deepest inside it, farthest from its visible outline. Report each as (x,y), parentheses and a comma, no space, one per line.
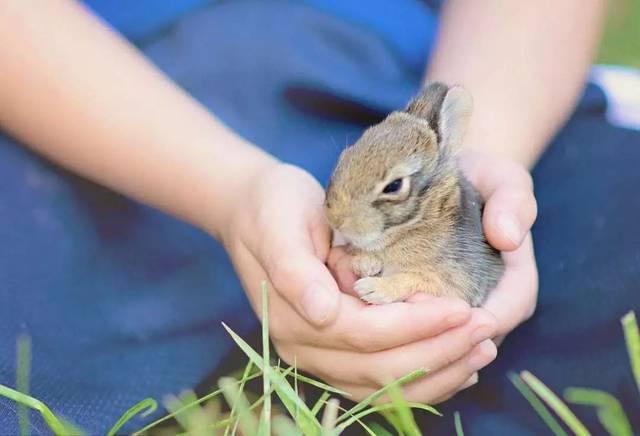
(393,187)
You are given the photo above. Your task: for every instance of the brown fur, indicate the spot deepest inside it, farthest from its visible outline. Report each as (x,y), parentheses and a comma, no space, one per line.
(427,236)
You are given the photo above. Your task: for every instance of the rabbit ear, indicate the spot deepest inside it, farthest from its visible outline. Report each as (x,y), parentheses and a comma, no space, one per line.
(447,110)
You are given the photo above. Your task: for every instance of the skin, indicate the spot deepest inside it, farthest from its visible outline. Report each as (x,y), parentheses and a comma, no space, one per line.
(59,56)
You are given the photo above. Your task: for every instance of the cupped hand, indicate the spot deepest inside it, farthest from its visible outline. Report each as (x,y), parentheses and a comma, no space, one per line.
(510,210)
(277,232)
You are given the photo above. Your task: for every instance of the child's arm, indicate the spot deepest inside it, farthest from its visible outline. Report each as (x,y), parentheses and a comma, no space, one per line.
(82,96)
(525,64)
(85,98)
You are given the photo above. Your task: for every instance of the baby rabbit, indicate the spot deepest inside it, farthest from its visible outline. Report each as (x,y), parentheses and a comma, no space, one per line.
(412,220)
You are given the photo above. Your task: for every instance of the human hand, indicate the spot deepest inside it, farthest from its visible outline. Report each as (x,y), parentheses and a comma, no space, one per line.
(277,232)
(510,211)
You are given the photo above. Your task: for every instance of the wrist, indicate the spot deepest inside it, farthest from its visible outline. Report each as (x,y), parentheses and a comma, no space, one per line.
(228,185)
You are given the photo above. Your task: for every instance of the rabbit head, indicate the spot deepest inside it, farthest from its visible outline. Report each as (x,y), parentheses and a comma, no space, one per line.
(401,171)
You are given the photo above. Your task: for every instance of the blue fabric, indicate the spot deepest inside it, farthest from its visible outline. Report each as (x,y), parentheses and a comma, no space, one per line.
(123,302)
(141,18)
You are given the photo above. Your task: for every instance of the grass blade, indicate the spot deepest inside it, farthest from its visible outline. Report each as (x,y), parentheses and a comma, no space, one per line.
(247,421)
(403,411)
(174,403)
(283,426)
(364,426)
(145,408)
(320,385)
(632,338)
(379,430)
(321,401)
(243,380)
(265,419)
(227,422)
(329,417)
(610,412)
(458,424)
(381,409)
(56,425)
(537,405)
(306,420)
(392,419)
(295,385)
(23,369)
(555,403)
(207,397)
(379,393)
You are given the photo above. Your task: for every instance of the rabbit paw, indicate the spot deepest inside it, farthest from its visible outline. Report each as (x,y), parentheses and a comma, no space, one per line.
(377,290)
(366,265)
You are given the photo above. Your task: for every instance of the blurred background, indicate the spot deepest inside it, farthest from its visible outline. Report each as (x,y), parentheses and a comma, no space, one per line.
(621,42)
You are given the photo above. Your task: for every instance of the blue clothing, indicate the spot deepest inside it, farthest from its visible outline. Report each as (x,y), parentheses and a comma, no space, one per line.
(123,302)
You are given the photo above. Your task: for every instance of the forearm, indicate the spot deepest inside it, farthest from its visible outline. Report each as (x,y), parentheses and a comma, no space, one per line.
(82,96)
(525,64)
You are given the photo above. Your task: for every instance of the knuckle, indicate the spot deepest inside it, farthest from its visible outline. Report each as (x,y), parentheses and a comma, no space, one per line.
(445,356)
(360,340)
(527,179)
(520,196)
(518,173)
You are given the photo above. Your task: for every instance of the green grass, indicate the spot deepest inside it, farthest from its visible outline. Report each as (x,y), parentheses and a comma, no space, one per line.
(621,40)
(608,409)
(258,416)
(255,416)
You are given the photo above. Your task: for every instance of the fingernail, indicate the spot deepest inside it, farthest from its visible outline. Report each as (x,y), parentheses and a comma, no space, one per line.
(480,334)
(318,303)
(509,225)
(485,353)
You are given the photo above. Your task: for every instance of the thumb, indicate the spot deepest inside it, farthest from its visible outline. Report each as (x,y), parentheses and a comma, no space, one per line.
(508,216)
(303,280)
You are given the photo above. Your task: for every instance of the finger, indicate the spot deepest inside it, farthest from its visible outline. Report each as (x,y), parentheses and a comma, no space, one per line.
(299,275)
(507,189)
(366,329)
(339,263)
(474,166)
(434,387)
(378,368)
(508,216)
(470,382)
(357,327)
(514,299)
(443,383)
(370,328)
